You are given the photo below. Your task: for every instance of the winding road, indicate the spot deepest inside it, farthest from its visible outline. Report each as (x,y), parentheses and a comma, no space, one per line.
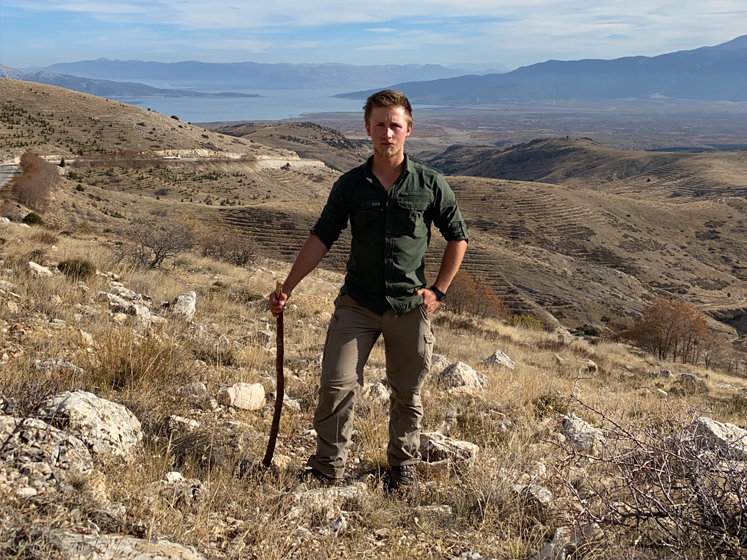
(7,170)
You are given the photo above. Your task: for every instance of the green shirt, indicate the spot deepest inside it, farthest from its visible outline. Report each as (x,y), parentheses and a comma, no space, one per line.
(391,232)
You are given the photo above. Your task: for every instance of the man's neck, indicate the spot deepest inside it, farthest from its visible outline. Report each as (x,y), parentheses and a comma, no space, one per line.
(388,170)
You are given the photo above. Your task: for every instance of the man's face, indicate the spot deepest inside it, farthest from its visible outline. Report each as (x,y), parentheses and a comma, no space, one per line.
(388,128)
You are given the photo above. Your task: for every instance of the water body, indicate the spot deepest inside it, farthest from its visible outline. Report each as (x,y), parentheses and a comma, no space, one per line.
(273,105)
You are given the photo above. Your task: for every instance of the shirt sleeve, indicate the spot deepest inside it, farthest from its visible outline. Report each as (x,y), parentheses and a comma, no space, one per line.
(334,217)
(447,217)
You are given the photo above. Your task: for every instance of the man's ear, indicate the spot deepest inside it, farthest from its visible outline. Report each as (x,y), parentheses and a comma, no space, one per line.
(368,129)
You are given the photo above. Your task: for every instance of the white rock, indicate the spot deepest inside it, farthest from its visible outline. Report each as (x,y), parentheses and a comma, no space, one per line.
(727,438)
(86,338)
(582,436)
(179,424)
(156,320)
(54,366)
(107,428)
(141,312)
(56,324)
(185,304)
(26,492)
(75,546)
(116,303)
(439,362)
(39,271)
(246,396)
(337,526)
(196,389)
(435,447)
(569,539)
(499,358)
(119,318)
(376,392)
(461,376)
(173,477)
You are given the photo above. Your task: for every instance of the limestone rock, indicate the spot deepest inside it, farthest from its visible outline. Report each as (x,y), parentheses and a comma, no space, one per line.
(375,392)
(31,441)
(179,424)
(74,546)
(57,366)
(538,496)
(116,303)
(727,438)
(86,339)
(107,428)
(196,389)
(185,304)
(499,358)
(140,312)
(461,376)
(439,362)
(435,447)
(39,271)
(582,436)
(246,396)
(689,378)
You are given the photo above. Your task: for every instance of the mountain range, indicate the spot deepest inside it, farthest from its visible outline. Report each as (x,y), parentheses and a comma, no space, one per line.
(106,88)
(253,75)
(708,73)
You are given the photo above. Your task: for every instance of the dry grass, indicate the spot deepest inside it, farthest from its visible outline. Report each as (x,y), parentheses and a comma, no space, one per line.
(515,420)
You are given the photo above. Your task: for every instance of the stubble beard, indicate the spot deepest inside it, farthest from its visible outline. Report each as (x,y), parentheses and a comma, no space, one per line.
(387,152)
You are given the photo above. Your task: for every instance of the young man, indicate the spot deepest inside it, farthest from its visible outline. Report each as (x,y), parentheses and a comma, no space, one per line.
(390,203)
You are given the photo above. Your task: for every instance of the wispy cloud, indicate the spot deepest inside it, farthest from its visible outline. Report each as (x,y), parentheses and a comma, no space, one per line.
(514,32)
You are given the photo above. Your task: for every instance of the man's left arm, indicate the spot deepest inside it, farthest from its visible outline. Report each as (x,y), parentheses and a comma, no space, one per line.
(450,264)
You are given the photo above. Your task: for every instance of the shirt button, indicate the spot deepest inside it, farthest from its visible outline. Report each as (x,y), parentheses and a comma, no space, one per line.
(389,231)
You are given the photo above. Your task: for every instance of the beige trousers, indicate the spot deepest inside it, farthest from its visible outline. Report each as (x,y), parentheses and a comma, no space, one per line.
(352,333)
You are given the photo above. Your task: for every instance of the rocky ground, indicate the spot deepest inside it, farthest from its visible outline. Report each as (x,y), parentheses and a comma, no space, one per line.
(132,401)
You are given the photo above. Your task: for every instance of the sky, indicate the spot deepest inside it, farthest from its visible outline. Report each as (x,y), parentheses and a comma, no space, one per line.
(513,33)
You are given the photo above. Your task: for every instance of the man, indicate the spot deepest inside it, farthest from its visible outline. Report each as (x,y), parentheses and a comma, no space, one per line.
(390,203)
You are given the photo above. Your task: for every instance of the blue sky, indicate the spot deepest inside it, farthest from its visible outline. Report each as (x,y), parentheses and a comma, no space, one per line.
(513,33)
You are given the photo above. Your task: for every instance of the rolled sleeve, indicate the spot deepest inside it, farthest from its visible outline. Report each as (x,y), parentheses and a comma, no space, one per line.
(334,218)
(447,217)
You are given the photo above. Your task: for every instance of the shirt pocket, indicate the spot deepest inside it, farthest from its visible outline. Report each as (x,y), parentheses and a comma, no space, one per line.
(363,214)
(410,217)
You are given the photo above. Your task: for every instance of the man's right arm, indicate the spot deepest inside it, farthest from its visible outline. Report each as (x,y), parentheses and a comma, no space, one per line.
(307,260)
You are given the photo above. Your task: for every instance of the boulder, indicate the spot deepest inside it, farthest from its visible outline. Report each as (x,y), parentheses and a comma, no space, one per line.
(727,438)
(499,358)
(185,305)
(461,376)
(246,396)
(39,271)
(76,546)
(582,436)
(196,389)
(435,447)
(140,312)
(107,428)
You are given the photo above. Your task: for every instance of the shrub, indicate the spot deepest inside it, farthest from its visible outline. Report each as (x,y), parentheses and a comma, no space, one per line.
(231,247)
(670,328)
(156,241)
(77,269)
(33,185)
(33,219)
(465,295)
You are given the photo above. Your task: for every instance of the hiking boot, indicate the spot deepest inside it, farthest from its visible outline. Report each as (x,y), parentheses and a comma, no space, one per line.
(314,477)
(403,481)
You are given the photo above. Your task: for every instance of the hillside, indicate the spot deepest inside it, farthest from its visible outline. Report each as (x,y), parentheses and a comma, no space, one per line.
(594,247)
(707,73)
(307,139)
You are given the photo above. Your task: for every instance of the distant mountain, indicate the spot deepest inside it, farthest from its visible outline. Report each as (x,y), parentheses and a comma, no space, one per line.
(105,88)
(253,75)
(708,73)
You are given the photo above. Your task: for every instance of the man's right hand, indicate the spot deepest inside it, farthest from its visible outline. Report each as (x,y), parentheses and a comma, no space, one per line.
(277,306)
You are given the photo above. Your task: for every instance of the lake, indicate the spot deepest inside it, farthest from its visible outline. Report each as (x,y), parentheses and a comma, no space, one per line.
(273,105)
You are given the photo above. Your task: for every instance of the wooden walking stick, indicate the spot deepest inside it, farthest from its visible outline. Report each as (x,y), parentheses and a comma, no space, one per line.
(279,386)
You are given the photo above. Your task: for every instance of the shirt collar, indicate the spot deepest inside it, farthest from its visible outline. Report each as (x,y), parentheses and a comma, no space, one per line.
(368,173)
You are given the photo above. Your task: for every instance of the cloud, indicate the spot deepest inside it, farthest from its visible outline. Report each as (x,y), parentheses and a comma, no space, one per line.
(381,30)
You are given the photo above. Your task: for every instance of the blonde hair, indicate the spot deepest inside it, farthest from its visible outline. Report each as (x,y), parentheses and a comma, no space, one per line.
(387,98)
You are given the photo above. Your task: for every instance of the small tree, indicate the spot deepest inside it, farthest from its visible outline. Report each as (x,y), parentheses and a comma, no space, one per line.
(33,185)
(670,328)
(469,296)
(158,240)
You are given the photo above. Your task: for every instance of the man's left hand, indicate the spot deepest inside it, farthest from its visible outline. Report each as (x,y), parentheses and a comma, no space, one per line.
(430,301)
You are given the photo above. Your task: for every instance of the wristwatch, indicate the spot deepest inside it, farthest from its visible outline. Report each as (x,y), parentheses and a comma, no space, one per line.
(440,296)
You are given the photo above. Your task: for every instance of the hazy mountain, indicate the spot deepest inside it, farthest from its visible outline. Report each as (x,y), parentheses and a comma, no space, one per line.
(105,88)
(253,75)
(707,73)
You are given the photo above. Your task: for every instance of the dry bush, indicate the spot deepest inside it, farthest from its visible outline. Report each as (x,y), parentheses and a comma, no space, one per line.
(659,486)
(159,239)
(36,181)
(228,246)
(469,296)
